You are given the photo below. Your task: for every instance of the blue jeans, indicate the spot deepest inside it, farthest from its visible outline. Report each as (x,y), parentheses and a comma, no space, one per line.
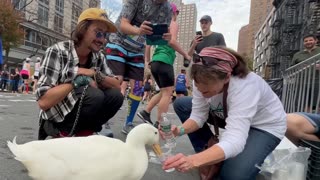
(15,84)
(242,167)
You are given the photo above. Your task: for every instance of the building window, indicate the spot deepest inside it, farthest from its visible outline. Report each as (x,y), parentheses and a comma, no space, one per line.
(73,25)
(36,40)
(30,35)
(58,23)
(261,56)
(264,30)
(93,3)
(19,4)
(76,11)
(43,15)
(269,21)
(259,36)
(60,6)
(46,2)
(78,2)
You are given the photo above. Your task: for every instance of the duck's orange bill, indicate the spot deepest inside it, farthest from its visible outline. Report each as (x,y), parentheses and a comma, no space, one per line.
(157,149)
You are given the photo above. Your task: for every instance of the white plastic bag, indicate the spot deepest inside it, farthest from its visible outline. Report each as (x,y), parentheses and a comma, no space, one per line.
(283,164)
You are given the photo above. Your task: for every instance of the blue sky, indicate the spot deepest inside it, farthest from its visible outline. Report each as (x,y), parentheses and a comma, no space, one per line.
(228,16)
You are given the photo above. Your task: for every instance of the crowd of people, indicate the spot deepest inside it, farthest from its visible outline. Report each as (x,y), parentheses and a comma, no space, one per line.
(20,81)
(77,80)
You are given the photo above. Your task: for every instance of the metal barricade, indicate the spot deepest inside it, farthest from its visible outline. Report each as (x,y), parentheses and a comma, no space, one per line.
(301,84)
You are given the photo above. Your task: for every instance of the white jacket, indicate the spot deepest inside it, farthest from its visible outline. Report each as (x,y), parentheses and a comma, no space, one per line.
(250,103)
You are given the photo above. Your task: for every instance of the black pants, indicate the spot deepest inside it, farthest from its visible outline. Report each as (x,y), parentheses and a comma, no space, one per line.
(97,108)
(3,84)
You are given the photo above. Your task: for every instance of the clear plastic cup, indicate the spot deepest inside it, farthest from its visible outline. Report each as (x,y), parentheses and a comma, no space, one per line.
(166,153)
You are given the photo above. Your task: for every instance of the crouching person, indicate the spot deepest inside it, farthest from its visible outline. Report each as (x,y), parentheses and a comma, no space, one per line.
(77,92)
(303,125)
(253,116)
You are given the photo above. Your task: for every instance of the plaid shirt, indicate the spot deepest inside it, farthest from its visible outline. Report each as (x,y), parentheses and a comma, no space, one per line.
(59,66)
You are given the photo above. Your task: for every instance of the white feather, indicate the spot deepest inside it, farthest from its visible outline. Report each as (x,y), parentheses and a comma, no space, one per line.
(93,157)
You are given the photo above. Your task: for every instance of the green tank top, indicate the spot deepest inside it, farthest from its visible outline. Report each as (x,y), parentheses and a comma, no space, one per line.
(165,54)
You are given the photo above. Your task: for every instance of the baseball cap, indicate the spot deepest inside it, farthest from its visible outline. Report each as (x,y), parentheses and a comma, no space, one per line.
(206,18)
(97,15)
(174,8)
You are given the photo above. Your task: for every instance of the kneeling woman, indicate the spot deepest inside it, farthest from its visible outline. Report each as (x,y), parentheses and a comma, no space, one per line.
(255,121)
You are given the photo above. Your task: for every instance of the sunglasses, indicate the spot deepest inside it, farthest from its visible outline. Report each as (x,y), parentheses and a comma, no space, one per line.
(100,34)
(204,60)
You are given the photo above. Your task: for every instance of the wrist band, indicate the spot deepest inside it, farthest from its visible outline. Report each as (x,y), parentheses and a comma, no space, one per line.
(181,130)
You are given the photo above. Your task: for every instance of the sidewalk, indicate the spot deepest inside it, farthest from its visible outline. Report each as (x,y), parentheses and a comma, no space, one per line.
(155,171)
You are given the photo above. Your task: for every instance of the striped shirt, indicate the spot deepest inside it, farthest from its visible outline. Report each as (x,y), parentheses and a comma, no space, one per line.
(59,66)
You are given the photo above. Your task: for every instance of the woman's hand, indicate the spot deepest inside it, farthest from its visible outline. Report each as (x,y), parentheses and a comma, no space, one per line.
(174,129)
(180,162)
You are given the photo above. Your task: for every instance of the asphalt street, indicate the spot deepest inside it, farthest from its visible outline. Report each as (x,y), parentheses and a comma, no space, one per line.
(19,117)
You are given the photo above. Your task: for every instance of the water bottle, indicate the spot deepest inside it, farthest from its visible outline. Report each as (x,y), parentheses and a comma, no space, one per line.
(165,125)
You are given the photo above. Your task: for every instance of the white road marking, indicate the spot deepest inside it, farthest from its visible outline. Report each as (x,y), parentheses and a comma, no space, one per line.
(22,100)
(3,105)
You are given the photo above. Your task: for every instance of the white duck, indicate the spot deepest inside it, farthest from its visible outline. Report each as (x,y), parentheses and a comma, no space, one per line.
(93,157)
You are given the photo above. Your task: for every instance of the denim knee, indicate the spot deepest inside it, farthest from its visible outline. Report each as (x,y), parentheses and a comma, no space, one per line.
(231,171)
(258,146)
(183,106)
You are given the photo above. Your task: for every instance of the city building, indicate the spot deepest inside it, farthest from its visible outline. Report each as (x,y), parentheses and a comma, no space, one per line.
(187,20)
(243,45)
(259,10)
(46,22)
(261,55)
(293,20)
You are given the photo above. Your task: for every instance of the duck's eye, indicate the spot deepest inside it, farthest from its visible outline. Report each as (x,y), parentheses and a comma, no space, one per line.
(155,132)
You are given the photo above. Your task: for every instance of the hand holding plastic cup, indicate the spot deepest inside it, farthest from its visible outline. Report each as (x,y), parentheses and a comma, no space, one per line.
(163,154)
(167,152)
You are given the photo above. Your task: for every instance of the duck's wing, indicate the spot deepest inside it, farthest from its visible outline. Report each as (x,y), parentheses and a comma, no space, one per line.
(40,164)
(78,158)
(116,163)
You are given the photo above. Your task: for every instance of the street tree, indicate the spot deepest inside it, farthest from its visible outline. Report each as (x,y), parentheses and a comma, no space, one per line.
(12,34)
(112,7)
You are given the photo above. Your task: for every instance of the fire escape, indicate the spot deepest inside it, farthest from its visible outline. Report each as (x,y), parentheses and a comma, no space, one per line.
(294,19)
(291,27)
(274,44)
(290,30)
(314,23)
